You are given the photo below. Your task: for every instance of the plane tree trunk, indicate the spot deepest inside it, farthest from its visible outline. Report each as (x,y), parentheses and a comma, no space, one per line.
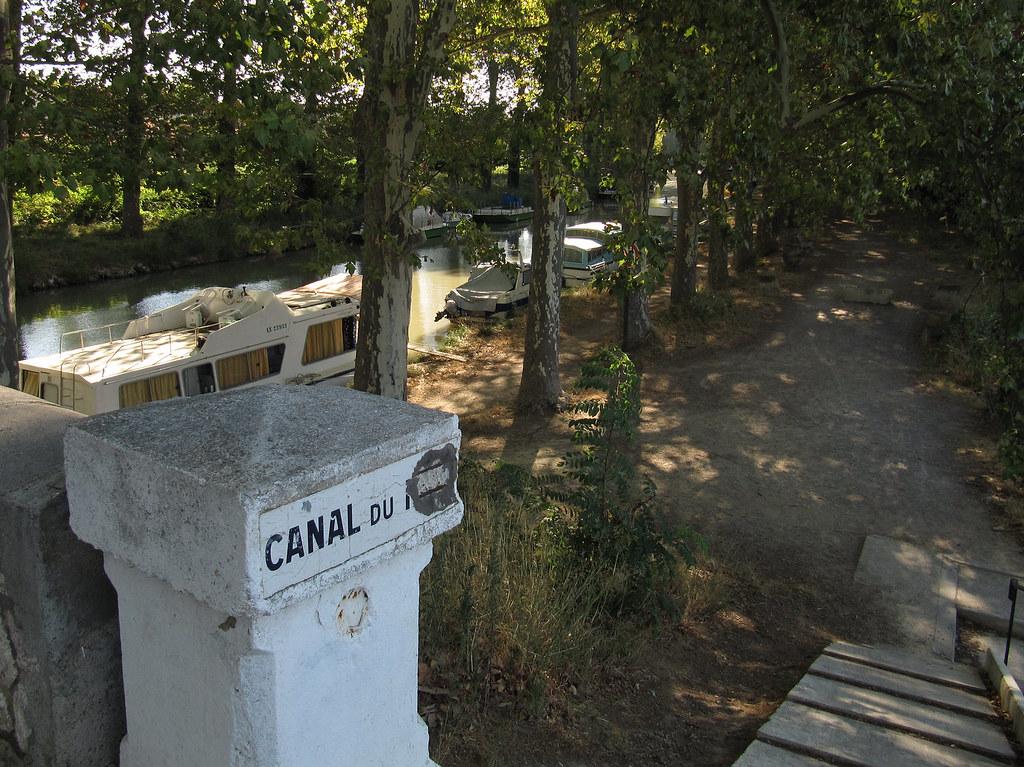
(746,258)
(402,60)
(9,11)
(718,260)
(636,313)
(540,387)
(684,270)
(487,165)
(134,142)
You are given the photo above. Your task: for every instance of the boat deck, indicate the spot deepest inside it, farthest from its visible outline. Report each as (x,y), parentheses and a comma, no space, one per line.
(342,286)
(94,363)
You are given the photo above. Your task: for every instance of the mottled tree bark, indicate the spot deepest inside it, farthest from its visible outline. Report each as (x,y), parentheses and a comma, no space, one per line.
(515,143)
(743,232)
(227,130)
(402,60)
(134,140)
(636,314)
(540,387)
(8,314)
(487,166)
(718,260)
(305,167)
(684,269)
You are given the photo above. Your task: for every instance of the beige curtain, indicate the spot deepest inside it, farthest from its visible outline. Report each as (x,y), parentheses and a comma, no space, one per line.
(30,383)
(322,341)
(243,368)
(233,371)
(153,389)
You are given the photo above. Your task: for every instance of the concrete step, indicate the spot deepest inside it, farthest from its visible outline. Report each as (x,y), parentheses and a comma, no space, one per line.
(891,682)
(921,588)
(937,671)
(839,739)
(760,754)
(919,585)
(880,708)
(982,597)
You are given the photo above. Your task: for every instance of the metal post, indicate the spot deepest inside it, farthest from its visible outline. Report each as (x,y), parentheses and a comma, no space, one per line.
(1012,596)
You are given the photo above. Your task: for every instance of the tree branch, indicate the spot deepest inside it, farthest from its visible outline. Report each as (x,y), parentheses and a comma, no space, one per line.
(781,57)
(432,52)
(888,88)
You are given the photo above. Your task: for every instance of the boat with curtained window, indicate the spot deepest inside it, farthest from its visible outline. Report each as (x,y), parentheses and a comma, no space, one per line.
(220,338)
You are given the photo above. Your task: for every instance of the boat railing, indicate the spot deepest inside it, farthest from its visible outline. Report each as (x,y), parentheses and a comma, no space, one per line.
(80,333)
(154,341)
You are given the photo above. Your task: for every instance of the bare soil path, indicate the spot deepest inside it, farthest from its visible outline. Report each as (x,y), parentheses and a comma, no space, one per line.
(825,429)
(784,452)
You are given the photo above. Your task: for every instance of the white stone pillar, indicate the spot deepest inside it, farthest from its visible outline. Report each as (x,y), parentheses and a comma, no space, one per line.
(266,547)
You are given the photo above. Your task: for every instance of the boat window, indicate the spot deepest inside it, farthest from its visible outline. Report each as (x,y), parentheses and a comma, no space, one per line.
(198,380)
(164,386)
(329,339)
(30,382)
(240,369)
(573,256)
(51,393)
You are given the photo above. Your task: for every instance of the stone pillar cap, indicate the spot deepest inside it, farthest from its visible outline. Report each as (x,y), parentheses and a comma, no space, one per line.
(214,493)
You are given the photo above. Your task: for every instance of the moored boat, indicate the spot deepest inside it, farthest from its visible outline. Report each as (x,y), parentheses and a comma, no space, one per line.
(492,290)
(510,211)
(599,231)
(496,215)
(583,258)
(220,338)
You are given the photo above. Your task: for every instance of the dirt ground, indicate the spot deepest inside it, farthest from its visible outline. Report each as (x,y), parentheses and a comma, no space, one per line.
(784,437)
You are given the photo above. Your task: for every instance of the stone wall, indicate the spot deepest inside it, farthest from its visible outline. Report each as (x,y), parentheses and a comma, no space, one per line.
(61,701)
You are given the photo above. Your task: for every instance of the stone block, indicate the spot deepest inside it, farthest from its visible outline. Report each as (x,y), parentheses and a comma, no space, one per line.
(900,661)
(840,740)
(266,546)
(932,722)
(61,699)
(902,686)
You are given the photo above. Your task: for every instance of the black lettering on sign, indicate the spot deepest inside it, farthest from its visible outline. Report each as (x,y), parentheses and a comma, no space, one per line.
(294,544)
(432,484)
(273,564)
(352,529)
(337,529)
(314,534)
(374,514)
(389,508)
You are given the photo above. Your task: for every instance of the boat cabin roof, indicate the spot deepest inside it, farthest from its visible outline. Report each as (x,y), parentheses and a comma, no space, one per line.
(593,230)
(582,243)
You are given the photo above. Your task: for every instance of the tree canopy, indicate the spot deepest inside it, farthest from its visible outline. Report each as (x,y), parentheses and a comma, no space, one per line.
(318,115)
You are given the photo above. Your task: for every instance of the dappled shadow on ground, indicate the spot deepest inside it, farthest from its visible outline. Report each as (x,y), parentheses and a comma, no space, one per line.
(784,452)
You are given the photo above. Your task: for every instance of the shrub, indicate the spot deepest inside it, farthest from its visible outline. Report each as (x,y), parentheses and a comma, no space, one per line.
(605,517)
(985,349)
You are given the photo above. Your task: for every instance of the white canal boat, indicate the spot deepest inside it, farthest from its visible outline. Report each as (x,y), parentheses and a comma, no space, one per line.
(492,290)
(220,338)
(583,258)
(599,231)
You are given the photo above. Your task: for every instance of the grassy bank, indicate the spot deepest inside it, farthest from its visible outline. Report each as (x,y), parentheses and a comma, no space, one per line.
(72,255)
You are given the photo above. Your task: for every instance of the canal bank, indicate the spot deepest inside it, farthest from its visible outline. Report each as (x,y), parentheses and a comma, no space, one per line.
(44,316)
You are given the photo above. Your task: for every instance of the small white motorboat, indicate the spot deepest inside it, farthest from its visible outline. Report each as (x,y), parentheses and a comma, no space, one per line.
(492,290)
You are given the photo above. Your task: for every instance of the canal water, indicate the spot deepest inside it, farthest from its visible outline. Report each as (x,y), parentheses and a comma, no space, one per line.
(44,316)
